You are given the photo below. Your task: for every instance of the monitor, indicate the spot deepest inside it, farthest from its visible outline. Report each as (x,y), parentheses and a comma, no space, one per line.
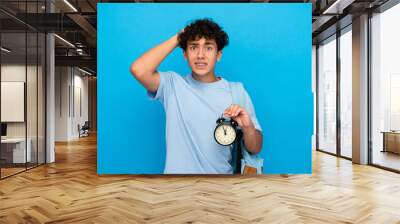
(3,129)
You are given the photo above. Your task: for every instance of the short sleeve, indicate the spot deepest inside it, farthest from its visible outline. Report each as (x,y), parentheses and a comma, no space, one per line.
(250,109)
(164,88)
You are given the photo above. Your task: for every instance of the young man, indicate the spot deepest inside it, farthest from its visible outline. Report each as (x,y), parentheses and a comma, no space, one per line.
(193,103)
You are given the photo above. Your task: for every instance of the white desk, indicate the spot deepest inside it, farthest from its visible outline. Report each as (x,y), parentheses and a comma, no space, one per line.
(18,149)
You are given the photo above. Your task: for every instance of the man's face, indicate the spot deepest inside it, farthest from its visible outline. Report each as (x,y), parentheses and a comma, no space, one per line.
(202,55)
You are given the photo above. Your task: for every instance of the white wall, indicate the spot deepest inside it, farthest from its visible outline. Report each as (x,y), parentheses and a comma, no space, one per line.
(71,93)
(15,72)
(81,103)
(12,73)
(62,81)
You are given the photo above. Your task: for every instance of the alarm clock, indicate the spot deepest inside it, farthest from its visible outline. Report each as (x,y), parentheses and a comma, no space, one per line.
(225,131)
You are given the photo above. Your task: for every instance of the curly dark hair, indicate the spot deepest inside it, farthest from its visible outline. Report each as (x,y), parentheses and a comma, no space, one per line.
(203,28)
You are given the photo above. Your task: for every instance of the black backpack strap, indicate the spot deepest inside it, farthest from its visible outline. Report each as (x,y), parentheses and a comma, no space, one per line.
(237,153)
(237,91)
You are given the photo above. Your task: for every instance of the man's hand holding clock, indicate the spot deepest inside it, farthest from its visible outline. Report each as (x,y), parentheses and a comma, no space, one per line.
(225,133)
(241,116)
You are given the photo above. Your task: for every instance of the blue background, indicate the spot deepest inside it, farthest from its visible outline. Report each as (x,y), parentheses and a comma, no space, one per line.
(269,51)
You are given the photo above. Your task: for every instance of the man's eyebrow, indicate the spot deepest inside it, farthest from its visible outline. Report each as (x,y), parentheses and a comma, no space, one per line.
(206,43)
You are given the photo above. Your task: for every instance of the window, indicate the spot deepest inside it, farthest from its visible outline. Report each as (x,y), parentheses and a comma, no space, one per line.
(346,92)
(385,88)
(22,67)
(327,95)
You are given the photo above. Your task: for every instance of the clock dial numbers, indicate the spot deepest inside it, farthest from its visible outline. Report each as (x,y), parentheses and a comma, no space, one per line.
(225,134)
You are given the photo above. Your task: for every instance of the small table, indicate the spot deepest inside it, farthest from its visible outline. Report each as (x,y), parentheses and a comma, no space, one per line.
(391,141)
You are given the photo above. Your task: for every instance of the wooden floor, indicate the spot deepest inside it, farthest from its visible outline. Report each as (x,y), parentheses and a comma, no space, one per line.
(5,172)
(70,191)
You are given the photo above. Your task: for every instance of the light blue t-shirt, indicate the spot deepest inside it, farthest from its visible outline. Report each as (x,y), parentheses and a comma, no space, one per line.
(192,109)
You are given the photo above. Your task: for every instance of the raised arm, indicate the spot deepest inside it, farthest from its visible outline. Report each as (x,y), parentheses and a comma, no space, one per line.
(144,68)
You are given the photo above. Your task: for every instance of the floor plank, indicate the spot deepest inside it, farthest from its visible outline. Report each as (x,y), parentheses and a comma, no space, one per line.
(70,191)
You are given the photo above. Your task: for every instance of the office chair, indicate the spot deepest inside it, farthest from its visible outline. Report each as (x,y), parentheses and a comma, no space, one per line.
(84,130)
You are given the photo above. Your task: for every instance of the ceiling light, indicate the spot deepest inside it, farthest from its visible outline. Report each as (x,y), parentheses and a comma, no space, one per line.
(338,6)
(70,5)
(64,40)
(5,50)
(84,71)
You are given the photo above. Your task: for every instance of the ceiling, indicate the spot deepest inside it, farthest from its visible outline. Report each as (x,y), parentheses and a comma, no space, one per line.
(74,21)
(329,16)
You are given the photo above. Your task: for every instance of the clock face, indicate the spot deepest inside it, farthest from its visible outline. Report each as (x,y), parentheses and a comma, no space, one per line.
(225,134)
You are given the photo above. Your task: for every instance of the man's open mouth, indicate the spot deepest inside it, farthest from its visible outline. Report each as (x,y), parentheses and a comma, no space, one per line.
(200,64)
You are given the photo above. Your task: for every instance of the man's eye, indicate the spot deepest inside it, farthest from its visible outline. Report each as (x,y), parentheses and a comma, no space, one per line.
(209,48)
(192,48)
